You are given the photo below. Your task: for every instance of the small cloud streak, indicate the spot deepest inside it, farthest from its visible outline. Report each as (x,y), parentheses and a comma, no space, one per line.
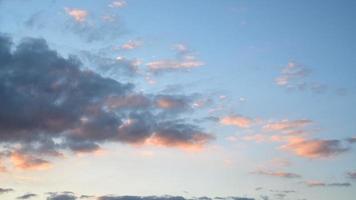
(277,174)
(236,120)
(324,184)
(287,125)
(27,196)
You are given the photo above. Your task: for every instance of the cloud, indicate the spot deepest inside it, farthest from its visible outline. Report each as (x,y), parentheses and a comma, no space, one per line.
(118,4)
(110,67)
(173,102)
(236,120)
(62,196)
(294,77)
(351,175)
(287,126)
(131,44)
(6,190)
(351,140)
(292,73)
(49,104)
(324,184)
(314,148)
(277,174)
(78,15)
(185,60)
(27,196)
(24,161)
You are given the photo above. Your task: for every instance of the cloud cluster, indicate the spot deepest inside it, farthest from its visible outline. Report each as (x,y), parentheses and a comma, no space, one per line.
(50,104)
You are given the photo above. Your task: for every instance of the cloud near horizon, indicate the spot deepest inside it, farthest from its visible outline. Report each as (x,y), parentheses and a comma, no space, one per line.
(277,174)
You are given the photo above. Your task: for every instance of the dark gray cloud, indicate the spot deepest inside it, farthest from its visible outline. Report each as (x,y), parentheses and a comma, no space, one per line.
(6,190)
(49,103)
(62,196)
(27,196)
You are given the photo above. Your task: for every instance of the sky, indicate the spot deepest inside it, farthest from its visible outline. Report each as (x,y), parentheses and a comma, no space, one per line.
(177,100)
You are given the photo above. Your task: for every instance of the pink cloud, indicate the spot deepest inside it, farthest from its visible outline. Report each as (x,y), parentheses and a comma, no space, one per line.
(28,162)
(77,14)
(314,148)
(236,120)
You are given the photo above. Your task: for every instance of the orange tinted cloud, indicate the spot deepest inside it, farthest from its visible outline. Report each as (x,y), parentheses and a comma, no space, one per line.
(196,143)
(315,148)
(287,125)
(77,14)
(239,121)
(28,162)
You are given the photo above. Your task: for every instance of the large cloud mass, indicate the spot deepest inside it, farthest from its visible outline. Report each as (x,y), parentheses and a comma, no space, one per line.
(48,103)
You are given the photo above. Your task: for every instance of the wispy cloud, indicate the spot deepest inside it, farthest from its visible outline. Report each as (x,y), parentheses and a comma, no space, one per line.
(295,76)
(277,174)
(185,60)
(131,44)
(287,126)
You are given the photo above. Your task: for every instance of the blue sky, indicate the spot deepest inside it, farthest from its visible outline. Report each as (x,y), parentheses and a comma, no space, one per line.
(189,98)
